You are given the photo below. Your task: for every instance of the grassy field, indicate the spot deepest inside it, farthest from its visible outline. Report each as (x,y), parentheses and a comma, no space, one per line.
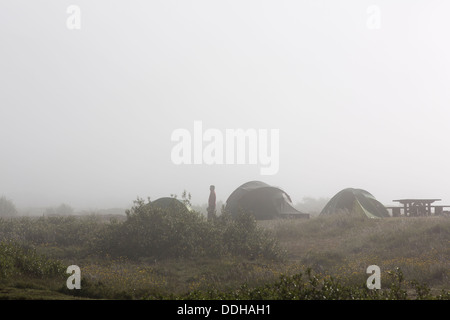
(344,246)
(315,255)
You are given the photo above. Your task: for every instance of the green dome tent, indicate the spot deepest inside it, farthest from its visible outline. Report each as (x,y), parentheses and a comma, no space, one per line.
(168,203)
(265,202)
(355,199)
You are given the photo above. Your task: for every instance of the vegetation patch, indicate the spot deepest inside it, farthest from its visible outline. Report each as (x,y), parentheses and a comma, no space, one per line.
(162,233)
(166,253)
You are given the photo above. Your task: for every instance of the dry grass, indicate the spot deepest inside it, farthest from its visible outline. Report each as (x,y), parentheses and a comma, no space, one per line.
(340,246)
(345,245)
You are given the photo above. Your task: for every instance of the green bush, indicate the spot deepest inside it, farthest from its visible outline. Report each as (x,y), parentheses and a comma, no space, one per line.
(155,232)
(241,236)
(176,232)
(61,231)
(310,286)
(16,260)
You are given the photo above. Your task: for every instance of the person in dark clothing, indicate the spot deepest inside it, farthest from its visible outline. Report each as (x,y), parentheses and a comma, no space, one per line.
(211,203)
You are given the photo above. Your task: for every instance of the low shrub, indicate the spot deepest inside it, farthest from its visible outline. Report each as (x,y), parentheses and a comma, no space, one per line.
(176,232)
(16,260)
(57,230)
(310,286)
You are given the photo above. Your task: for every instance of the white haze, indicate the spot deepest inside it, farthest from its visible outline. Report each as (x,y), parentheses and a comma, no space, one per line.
(86,116)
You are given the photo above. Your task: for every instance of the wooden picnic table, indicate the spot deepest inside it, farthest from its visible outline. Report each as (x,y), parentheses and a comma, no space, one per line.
(417,207)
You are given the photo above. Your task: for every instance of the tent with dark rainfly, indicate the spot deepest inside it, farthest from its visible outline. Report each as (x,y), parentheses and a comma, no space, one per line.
(265,202)
(355,200)
(168,203)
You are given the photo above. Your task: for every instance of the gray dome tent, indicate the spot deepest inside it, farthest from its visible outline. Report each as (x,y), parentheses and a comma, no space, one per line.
(265,202)
(355,199)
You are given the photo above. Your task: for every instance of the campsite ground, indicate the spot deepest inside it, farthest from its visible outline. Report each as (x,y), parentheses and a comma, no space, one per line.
(343,246)
(339,246)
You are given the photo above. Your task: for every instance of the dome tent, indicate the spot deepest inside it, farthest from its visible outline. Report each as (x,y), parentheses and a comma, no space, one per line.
(169,203)
(355,199)
(265,202)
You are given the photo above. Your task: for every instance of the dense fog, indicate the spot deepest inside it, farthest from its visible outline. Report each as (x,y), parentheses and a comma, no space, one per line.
(91,97)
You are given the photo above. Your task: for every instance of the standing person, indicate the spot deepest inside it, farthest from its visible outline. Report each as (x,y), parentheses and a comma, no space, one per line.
(211,203)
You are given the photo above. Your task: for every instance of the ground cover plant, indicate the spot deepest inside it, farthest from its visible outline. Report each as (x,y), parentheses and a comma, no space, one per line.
(152,253)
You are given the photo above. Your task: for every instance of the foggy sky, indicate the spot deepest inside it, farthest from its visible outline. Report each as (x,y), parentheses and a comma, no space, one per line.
(86,116)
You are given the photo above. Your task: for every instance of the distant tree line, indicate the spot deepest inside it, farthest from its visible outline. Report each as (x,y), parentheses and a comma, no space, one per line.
(7,207)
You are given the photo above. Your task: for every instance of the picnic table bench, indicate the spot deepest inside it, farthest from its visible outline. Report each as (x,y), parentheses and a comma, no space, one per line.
(417,207)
